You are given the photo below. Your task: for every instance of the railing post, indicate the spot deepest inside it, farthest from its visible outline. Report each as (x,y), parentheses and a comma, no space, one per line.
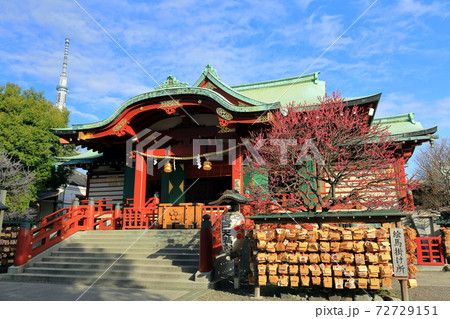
(117,216)
(206,245)
(90,215)
(73,208)
(23,248)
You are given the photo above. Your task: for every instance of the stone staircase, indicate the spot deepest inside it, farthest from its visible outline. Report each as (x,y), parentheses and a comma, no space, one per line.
(156,259)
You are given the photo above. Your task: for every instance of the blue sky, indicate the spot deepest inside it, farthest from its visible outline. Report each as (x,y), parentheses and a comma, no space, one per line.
(399,48)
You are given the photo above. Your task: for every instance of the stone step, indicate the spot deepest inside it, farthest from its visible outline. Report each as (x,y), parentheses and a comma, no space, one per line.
(148,238)
(130,249)
(125,245)
(115,282)
(138,254)
(158,259)
(175,261)
(117,274)
(135,234)
(149,267)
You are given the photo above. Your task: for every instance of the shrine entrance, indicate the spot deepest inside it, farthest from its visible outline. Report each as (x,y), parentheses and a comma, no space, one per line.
(207,189)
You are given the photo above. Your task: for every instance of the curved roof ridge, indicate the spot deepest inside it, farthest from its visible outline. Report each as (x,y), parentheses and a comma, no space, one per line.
(168,93)
(211,74)
(400,118)
(278,82)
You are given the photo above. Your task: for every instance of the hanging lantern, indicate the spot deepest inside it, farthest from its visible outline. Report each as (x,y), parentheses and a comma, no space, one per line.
(207,165)
(232,229)
(168,167)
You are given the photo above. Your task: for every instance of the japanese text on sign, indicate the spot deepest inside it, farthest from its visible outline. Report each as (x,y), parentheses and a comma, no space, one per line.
(398,252)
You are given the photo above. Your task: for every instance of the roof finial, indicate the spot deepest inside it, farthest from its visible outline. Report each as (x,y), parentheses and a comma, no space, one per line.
(171,82)
(210,69)
(62,86)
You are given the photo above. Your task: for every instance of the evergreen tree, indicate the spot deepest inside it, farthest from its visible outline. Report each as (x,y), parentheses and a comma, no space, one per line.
(25,121)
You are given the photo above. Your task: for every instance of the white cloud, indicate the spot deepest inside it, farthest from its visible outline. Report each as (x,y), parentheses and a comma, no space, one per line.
(246,41)
(429,113)
(84,115)
(417,8)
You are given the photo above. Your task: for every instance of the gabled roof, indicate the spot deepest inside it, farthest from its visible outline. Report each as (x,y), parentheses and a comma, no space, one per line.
(300,89)
(210,74)
(403,127)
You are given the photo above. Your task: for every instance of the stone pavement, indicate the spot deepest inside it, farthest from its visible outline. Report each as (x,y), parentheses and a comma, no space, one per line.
(23,291)
(433,286)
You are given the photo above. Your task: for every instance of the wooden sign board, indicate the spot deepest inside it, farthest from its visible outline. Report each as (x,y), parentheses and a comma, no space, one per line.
(398,249)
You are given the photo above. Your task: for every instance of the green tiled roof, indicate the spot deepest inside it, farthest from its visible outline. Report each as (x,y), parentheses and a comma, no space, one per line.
(261,97)
(404,127)
(84,158)
(299,89)
(443,221)
(90,154)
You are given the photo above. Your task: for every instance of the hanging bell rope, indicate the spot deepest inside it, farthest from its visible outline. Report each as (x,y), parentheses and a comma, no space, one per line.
(184,158)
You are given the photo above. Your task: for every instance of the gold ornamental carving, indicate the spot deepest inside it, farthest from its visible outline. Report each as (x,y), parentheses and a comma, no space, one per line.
(85,136)
(224,114)
(119,125)
(170,103)
(223,129)
(209,85)
(120,128)
(265,118)
(170,106)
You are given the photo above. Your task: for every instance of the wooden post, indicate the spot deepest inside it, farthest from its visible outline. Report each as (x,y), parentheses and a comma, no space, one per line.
(90,215)
(237,174)
(236,270)
(140,181)
(403,282)
(206,246)
(23,243)
(404,289)
(255,264)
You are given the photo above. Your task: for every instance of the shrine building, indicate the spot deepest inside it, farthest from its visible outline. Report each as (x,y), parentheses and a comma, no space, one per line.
(146,148)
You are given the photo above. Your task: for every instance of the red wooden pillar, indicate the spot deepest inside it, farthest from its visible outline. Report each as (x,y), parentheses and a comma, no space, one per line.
(73,212)
(206,246)
(23,243)
(90,215)
(237,172)
(140,181)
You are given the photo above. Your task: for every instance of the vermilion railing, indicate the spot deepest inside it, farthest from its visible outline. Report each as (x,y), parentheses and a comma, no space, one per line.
(65,222)
(141,217)
(54,231)
(102,215)
(216,213)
